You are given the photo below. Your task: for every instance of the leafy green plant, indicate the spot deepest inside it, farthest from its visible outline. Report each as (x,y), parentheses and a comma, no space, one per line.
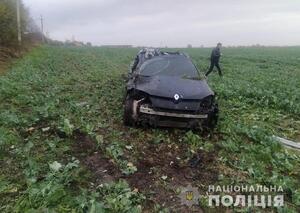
(197,142)
(67,127)
(115,150)
(118,197)
(52,190)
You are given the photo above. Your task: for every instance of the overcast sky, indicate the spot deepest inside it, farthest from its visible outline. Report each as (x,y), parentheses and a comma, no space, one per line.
(171,22)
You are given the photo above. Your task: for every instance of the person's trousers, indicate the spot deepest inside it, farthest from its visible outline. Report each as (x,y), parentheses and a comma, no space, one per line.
(214,63)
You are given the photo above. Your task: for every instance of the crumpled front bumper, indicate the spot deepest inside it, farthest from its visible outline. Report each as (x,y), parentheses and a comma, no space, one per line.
(154,117)
(147,110)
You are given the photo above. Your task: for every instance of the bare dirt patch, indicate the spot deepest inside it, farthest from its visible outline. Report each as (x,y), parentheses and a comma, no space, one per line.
(102,168)
(161,170)
(3,68)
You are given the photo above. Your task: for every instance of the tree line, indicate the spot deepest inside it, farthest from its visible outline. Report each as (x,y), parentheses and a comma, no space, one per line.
(8,24)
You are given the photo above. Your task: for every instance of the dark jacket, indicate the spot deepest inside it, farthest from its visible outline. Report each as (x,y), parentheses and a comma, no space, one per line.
(215,54)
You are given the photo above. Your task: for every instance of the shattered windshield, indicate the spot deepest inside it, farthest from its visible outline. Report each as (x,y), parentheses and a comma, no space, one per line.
(171,66)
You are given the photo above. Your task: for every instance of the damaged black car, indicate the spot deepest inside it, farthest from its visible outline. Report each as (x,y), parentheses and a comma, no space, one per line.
(165,89)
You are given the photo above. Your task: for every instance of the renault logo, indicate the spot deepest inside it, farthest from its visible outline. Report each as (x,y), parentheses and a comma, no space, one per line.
(176,97)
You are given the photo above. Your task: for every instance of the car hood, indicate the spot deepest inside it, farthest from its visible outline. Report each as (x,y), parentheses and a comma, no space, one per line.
(168,86)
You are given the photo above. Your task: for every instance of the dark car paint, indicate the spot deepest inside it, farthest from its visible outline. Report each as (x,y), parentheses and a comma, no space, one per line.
(162,88)
(168,86)
(158,93)
(171,104)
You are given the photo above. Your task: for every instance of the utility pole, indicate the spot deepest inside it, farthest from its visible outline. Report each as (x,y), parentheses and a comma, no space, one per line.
(42,29)
(19,22)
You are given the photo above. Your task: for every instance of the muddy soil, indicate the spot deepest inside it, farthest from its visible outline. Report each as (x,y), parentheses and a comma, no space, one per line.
(161,170)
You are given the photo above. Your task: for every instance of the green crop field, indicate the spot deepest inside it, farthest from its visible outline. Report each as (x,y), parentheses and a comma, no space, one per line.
(63,146)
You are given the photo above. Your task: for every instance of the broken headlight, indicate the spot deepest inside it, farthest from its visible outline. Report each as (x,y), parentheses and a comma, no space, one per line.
(206,102)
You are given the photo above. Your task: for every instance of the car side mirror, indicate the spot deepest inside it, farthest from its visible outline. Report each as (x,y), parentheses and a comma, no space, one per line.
(132,75)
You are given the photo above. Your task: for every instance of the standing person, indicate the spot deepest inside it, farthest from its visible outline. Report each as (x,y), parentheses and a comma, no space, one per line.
(214,59)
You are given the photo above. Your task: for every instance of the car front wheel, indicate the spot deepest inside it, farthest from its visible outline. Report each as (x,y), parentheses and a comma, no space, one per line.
(128,112)
(212,119)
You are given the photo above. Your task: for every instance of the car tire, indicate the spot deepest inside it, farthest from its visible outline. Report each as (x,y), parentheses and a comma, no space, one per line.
(212,120)
(128,112)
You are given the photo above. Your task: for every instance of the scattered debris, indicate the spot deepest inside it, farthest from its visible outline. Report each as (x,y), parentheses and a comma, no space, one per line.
(81,104)
(128,147)
(164,177)
(45,129)
(30,129)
